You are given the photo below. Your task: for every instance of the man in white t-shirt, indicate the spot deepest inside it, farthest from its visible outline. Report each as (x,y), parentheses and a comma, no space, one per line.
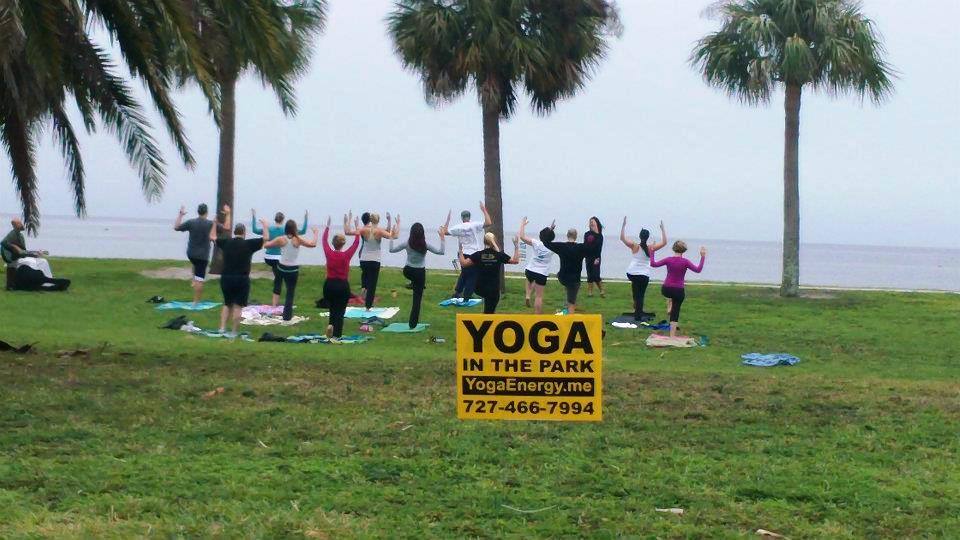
(470,234)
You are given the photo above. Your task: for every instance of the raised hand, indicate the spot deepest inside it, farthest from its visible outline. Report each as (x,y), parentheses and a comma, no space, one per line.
(315,229)
(703,251)
(183,211)
(524,222)
(329,219)
(226,209)
(624,222)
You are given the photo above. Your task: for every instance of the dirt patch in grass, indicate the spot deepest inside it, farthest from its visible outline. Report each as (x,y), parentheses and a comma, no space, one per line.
(175,272)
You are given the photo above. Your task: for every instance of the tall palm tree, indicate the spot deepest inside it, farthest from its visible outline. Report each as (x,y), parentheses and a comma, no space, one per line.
(47,59)
(825,45)
(500,48)
(270,38)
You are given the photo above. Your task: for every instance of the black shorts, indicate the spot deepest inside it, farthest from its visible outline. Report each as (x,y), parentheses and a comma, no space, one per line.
(199,268)
(236,290)
(593,270)
(534,277)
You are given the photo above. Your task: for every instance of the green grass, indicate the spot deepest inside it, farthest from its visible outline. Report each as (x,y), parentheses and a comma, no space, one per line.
(859,440)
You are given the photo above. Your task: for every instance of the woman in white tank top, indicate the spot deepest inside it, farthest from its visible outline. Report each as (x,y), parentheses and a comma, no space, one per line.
(288,269)
(638,271)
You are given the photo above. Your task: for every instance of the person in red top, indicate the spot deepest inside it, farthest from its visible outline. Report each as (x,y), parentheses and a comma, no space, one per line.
(336,288)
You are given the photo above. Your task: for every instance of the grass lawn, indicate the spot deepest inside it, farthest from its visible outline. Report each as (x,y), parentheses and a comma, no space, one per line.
(324,441)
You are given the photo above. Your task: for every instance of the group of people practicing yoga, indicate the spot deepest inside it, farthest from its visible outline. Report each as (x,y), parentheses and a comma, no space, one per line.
(480,257)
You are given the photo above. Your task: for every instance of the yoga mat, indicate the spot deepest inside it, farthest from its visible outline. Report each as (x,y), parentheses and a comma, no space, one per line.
(458,302)
(361,313)
(320,338)
(769,360)
(270,320)
(627,318)
(404,328)
(201,306)
(656,340)
(263,309)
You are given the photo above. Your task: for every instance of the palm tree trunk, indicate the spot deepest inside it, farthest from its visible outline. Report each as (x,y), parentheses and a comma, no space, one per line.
(492,193)
(225,177)
(790,286)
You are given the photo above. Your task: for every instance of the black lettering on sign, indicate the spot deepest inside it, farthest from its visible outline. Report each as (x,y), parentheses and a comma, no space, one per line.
(477,333)
(550,343)
(473,364)
(498,336)
(578,339)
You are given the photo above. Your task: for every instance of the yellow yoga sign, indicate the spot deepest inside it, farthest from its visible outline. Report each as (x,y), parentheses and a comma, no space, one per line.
(529,367)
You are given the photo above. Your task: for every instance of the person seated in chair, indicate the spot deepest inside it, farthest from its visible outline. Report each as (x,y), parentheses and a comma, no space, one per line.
(31,268)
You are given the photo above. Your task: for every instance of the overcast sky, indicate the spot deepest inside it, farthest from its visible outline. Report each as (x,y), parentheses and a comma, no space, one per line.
(646,138)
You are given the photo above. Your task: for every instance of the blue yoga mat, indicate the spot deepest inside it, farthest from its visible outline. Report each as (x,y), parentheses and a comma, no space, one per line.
(188,306)
(404,328)
(769,360)
(458,302)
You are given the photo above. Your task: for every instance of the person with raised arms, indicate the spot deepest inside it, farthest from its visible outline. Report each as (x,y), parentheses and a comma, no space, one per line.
(336,287)
(489,264)
(198,245)
(271,255)
(415,268)
(673,286)
(593,240)
(289,244)
(372,235)
(471,237)
(638,271)
(235,278)
(538,264)
(571,266)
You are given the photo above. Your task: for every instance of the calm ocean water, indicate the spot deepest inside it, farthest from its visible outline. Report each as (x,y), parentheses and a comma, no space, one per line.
(727,261)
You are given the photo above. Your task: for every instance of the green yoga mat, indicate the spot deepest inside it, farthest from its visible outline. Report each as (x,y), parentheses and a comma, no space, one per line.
(404,328)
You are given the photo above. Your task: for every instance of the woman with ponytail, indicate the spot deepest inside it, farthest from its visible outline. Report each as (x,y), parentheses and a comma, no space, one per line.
(289,244)
(638,272)
(415,268)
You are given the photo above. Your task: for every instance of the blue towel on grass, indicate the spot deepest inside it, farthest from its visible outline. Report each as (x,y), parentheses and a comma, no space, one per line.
(404,328)
(201,306)
(769,360)
(242,336)
(459,302)
(320,338)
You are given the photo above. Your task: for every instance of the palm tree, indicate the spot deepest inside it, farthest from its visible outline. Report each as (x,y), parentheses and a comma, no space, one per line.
(499,48)
(826,45)
(47,58)
(271,38)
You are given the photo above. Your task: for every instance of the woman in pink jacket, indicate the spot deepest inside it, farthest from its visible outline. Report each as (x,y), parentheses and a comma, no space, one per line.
(672,288)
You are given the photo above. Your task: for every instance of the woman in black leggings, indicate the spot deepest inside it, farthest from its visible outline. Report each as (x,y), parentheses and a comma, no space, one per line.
(415,269)
(336,288)
(673,286)
(638,272)
(287,268)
